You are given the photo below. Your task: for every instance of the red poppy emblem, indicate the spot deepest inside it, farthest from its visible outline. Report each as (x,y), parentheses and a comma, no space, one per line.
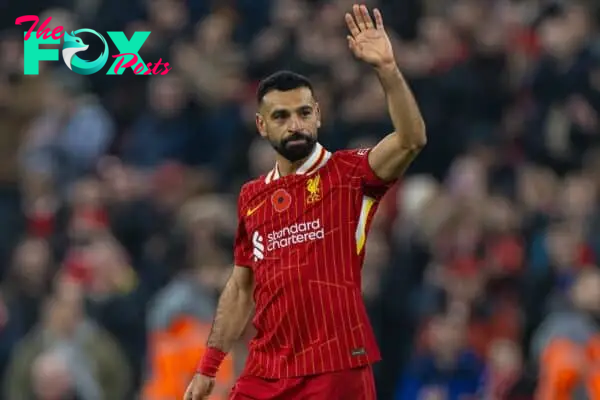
(281,200)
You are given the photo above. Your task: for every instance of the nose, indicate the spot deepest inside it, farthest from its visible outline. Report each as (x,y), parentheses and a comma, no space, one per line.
(295,123)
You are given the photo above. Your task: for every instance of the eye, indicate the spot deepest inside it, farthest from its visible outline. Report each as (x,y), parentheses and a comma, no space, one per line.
(306,112)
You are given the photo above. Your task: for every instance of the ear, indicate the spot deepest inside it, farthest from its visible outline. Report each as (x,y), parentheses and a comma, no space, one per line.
(260,125)
(318,114)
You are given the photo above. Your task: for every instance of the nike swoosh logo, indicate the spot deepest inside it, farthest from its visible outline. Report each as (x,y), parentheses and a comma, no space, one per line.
(253,210)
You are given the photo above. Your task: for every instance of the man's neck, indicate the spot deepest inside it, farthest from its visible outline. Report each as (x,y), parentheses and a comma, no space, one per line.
(286,167)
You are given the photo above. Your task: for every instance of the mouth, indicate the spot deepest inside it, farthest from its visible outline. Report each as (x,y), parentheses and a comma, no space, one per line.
(297,142)
(297,139)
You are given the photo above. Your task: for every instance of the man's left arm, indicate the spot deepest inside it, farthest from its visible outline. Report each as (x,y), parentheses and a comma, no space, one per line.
(370,43)
(394,153)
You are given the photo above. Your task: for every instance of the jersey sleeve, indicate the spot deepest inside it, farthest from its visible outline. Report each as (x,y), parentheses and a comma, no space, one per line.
(357,165)
(242,252)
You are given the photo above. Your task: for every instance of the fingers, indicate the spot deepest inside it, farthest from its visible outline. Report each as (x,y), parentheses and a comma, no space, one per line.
(358,16)
(378,19)
(360,20)
(352,27)
(351,43)
(364,12)
(193,393)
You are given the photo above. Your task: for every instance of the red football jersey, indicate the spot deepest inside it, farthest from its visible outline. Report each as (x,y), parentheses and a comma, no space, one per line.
(304,237)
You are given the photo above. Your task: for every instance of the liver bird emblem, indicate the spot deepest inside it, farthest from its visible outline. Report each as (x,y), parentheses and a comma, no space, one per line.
(313,187)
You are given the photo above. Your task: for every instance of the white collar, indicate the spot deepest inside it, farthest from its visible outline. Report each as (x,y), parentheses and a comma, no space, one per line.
(316,160)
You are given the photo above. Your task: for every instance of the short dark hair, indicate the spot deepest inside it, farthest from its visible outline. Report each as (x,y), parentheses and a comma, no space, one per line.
(282,81)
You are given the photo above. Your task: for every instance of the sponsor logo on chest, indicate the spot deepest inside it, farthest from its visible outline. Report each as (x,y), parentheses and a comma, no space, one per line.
(291,235)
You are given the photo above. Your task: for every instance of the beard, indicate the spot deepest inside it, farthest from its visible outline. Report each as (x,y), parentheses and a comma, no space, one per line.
(296,146)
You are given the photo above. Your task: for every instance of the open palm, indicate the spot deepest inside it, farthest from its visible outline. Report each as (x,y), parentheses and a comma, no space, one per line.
(369,41)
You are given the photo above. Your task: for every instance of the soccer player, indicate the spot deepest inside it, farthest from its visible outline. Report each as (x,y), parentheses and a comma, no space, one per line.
(301,241)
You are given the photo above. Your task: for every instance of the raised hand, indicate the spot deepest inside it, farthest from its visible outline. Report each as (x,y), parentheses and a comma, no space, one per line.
(368,41)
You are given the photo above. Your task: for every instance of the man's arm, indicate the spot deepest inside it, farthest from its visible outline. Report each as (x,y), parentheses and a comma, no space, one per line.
(394,153)
(370,43)
(234,310)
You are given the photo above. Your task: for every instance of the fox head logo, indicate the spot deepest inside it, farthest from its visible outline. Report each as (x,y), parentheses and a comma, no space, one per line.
(73,45)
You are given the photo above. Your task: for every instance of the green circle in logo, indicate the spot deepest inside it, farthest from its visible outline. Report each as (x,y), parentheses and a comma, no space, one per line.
(73,45)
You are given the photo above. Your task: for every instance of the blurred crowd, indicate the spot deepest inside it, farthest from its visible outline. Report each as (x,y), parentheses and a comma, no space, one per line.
(118,194)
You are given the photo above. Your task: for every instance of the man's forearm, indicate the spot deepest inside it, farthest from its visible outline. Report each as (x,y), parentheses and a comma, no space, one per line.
(233,313)
(402,106)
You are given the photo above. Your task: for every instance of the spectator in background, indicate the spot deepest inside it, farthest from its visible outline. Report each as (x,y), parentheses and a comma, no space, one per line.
(96,367)
(29,279)
(165,131)
(564,115)
(212,63)
(55,151)
(193,292)
(180,316)
(506,374)
(447,369)
(53,379)
(564,344)
(20,103)
(170,132)
(117,298)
